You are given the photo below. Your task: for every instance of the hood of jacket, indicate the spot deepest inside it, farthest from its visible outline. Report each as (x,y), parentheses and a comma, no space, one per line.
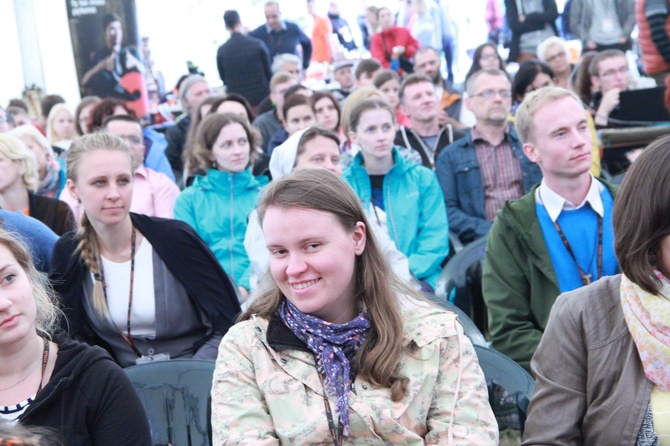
(219,181)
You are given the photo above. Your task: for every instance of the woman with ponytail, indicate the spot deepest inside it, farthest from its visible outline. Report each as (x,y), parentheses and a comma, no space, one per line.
(142,287)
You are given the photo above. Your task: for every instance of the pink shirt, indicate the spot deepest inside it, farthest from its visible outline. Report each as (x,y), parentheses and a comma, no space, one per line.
(154,194)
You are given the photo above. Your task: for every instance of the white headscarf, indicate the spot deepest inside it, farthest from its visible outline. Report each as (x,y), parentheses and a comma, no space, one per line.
(283,156)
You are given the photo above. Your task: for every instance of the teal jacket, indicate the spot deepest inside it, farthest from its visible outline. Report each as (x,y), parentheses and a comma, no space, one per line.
(217,206)
(416,215)
(519,282)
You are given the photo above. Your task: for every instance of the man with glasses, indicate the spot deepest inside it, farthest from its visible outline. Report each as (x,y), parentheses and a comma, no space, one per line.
(487,167)
(609,77)
(154,194)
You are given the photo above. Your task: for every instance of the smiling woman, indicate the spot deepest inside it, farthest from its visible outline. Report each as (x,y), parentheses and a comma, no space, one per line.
(338,349)
(142,287)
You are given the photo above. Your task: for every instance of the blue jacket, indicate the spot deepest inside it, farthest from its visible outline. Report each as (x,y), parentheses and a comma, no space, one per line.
(285,41)
(155,157)
(415,212)
(217,206)
(458,172)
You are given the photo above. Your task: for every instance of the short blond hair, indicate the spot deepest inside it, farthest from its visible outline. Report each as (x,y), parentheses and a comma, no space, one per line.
(11,147)
(533,101)
(29,131)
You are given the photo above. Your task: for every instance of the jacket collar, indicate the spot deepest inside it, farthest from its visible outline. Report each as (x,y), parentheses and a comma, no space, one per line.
(218,180)
(279,336)
(400,165)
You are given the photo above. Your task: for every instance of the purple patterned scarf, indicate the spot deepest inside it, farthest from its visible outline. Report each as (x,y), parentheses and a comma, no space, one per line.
(334,346)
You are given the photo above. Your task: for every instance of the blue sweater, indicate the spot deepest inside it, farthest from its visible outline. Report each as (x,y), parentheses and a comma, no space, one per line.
(285,41)
(580,227)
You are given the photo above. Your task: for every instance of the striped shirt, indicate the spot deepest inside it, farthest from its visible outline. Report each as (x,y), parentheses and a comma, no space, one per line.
(502,178)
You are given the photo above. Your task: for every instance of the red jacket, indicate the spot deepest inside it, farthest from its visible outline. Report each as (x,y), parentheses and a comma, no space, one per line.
(382,43)
(652,59)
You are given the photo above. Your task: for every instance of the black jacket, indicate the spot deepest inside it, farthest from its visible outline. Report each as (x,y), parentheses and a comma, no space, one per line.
(244,67)
(534,21)
(405,137)
(176,140)
(184,253)
(89,400)
(54,213)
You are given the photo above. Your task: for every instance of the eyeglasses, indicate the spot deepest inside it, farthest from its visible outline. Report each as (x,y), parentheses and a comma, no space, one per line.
(490,94)
(613,72)
(556,56)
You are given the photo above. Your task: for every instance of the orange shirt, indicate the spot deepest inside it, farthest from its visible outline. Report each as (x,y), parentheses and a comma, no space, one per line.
(321,40)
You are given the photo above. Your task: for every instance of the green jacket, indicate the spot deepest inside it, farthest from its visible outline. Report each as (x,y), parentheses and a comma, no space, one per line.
(519,283)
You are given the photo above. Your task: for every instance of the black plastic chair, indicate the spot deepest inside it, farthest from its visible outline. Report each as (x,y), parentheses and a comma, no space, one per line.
(504,372)
(463,276)
(176,397)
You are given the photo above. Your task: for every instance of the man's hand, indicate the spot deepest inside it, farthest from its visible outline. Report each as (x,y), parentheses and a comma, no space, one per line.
(609,102)
(443,119)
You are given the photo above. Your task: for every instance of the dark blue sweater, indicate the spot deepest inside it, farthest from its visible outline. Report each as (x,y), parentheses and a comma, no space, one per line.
(285,41)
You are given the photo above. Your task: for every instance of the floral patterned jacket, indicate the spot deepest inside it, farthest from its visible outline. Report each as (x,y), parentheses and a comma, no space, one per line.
(266,390)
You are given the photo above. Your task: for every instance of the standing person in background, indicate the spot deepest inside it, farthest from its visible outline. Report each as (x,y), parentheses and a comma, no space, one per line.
(191,91)
(341,27)
(368,24)
(243,62)
(653,21)
(603,25)
(531,22)
(281,36)
(321,32)
(393,45)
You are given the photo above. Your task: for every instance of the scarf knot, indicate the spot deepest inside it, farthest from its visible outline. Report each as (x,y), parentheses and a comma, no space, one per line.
(334,346)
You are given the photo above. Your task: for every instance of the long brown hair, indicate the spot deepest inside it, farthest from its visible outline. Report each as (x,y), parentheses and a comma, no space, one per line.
(640,217)
(377,287)
(88,247)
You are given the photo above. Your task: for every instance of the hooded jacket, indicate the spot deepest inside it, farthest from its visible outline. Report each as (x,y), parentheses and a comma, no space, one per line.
(415,212)
(89,400)
(217,206)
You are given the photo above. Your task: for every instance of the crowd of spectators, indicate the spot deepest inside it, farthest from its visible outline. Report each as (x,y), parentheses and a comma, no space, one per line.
(166,242)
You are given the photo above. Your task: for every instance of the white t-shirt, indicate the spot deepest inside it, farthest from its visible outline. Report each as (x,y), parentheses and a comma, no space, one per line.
(117,277)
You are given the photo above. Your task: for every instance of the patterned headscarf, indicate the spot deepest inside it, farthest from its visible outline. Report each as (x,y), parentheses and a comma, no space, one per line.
(334,346)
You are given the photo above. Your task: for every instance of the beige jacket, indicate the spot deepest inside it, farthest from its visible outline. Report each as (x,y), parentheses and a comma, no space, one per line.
(590,386)
(266,390)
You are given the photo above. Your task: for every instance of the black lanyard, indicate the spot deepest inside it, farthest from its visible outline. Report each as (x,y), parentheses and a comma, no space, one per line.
(585,276)
(126,337)
(336,434)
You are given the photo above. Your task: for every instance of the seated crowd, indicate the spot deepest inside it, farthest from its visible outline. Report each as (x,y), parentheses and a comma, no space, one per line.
(297,236)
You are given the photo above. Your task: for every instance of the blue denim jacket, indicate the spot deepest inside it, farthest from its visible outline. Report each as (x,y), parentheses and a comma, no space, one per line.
(458,172)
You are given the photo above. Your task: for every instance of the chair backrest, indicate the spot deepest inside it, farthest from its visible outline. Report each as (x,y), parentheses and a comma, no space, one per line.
(176,397)
(461,277)
(509,375)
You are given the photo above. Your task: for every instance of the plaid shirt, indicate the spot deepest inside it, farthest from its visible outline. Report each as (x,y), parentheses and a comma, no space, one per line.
(502,178)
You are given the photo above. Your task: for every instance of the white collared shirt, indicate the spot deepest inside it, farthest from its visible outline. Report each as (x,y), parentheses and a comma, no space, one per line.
(555,204)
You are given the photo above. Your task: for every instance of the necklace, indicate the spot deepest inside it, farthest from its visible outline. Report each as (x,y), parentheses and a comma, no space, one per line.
(45,360)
